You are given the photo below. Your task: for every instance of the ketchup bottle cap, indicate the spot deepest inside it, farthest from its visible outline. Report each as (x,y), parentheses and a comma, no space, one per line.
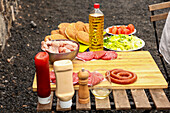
(96,5)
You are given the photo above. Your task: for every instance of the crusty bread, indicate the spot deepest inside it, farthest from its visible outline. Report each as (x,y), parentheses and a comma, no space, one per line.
(79,26)
(71,32)
(86,27)
(83,37)
(54,37)
(55,32)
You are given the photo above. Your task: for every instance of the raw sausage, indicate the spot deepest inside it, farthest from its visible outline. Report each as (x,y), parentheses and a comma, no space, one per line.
(121,76)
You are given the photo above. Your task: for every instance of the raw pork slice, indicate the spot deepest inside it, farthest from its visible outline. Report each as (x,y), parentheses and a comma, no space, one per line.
(52,76)
(99,54)
(75,78)
(86,56)
(98,77)
(110,55)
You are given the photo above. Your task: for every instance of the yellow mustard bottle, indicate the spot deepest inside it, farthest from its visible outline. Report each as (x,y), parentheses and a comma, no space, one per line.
(96,26)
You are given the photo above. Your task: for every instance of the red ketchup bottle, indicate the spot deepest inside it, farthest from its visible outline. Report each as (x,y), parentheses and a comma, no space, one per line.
(43,78)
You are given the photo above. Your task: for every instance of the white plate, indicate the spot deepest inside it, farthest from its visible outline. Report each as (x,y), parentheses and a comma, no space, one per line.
(143,44)
(107,30)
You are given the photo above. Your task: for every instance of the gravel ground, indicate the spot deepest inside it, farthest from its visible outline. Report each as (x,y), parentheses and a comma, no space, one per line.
(17,75)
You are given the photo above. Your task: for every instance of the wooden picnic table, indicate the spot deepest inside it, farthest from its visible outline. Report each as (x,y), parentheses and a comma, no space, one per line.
(149,78)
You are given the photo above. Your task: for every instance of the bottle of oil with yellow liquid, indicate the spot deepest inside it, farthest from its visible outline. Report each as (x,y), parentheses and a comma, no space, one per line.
(96,26)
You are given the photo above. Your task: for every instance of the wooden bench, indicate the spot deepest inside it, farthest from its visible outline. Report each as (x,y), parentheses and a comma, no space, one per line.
(118,100)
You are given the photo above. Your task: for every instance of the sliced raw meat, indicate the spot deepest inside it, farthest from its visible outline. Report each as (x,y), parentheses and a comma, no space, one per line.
(52,75)
(110,55)
(75,78)
(86,56)
(98,77)
(99,54)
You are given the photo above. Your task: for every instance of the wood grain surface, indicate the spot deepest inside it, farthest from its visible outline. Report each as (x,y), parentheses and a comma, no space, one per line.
(139,62)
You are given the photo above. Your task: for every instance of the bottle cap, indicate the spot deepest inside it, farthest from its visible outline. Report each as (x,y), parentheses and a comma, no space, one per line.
(65,104)
(44,100)
(96,5)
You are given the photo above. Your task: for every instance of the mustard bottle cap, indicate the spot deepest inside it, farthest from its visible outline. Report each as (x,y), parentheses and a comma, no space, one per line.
(65,104)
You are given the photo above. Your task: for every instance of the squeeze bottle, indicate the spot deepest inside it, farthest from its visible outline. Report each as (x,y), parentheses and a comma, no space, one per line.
(43,77)
(64,82)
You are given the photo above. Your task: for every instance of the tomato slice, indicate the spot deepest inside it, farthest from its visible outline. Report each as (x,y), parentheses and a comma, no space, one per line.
(131,27)
(110,30)
(126,31)
(123,27)
(119,31)
(114,31)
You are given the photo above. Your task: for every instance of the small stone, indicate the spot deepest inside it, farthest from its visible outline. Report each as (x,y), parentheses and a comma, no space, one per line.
(46,19)
(3,76)
(37,32)
(25,106)
(28,45)
(8,45)
(2,106)
(20,6)
(28,15)
(14,81)
(29,88)
(33,24)
(6,81)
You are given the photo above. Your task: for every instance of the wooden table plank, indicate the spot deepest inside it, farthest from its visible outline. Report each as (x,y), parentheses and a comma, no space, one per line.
(58,108)
(103,104)
(82,106)
(45,107)
(160,99)
(140,99)
(121,99)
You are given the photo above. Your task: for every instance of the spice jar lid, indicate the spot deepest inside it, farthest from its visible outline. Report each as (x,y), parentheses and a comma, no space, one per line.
(96,5)
(65,104)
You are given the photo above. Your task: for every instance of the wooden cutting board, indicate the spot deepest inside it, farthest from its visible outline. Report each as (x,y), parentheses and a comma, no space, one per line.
(139,62)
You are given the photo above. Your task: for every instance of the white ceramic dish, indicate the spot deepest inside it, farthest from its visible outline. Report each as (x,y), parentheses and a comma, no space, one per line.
(107,30)
(143,44)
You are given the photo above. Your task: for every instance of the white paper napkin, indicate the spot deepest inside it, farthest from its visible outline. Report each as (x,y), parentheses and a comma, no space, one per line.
(164,47)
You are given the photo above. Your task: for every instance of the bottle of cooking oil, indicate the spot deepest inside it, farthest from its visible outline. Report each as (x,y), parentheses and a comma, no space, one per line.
(96,26)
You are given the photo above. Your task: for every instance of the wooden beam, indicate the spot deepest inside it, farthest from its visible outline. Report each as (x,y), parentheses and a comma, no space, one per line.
(160,99)
(159,6)
(140,99)
(103,104)
(121,99)
(82,106)
(12,13)
(159,17)
(46,107)
(1,6)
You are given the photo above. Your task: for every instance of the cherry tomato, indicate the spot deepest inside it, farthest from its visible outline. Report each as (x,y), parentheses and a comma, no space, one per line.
(131,27)
(126,31)
(119,31)
(114,31)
